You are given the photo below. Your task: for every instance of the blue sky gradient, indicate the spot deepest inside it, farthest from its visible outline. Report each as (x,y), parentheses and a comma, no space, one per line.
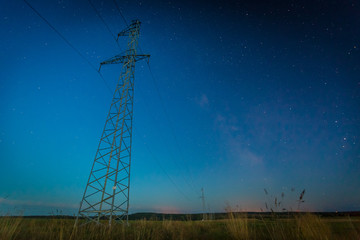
(253,95)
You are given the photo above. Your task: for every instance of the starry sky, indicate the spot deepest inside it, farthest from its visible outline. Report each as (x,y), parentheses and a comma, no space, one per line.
(245,96)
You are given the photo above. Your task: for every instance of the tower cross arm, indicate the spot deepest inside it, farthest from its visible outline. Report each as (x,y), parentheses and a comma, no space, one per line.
(123,58)
(130,29)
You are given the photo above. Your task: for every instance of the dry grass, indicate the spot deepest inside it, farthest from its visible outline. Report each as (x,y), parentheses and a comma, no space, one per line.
(237,226)
(310,226)
(9,227)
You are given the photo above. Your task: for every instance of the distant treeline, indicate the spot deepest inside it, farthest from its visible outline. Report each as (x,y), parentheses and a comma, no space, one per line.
(218,216)
(225,215)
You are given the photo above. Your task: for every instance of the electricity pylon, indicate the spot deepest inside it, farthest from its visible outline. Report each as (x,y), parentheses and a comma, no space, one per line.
(203,204)
(106,196)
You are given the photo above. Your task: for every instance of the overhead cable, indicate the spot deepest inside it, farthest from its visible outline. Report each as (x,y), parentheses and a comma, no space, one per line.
(68,43)
(103,21)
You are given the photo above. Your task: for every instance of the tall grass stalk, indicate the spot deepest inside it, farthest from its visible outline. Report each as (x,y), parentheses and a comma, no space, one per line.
(9,227)
(311,227)
(237,226)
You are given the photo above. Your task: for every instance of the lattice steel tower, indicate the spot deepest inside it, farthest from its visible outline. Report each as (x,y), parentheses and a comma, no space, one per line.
(106,195)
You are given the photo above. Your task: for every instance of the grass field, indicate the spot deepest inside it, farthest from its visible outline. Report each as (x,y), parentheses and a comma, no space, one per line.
(236,226)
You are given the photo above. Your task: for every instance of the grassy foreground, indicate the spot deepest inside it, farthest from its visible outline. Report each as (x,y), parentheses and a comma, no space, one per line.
(237,226)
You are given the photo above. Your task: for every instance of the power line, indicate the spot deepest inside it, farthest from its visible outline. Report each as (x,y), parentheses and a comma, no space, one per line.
(162,137)
(68,43)
(171,127)
(167,175)
(117,7)
(103,21)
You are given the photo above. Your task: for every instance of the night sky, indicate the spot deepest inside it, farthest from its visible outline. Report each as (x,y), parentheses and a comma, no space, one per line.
(246,96)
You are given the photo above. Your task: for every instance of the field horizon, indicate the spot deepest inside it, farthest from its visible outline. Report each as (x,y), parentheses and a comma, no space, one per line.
(198,216)
(230,225)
